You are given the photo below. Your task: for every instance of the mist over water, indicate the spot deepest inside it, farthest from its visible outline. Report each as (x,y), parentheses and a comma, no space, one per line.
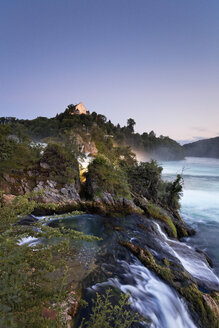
(200,200)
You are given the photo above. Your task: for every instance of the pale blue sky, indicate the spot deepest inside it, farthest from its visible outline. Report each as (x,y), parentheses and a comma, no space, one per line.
(156,61)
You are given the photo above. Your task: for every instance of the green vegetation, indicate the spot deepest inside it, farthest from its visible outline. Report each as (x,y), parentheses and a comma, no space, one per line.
(107,178)
(159,214)
(62,164)
(34,278)
(170,193)
(203,148)
(16,153)
(145,180)
(95,125)
(27,283)
(148,260)
(115,169)
(106,315)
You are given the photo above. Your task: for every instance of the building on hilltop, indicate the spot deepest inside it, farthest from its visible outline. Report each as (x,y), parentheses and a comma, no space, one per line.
(77,109)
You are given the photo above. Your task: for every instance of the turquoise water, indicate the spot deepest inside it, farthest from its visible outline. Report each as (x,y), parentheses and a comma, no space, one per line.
(200,201)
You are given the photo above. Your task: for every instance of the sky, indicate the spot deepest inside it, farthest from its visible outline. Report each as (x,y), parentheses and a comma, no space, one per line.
(156,61)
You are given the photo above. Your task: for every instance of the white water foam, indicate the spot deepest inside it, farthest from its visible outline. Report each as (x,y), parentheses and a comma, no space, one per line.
(151,297)
(190,261)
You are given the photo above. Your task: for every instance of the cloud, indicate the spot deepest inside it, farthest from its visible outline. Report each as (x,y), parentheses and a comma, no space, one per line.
(200,129)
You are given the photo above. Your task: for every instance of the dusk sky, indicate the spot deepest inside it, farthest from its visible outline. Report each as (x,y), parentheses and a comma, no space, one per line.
(156,61)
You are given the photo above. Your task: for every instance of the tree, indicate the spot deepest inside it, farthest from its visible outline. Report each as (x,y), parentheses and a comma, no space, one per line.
(152,134)
(130,124)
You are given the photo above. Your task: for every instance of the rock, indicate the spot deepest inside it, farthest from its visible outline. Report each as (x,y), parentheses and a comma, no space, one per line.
(214,305)
(209,260)
(9,178)
(86,146)
(49,313)
(27,220)
(44,165)
(7,199)
(128,203)
(51,193)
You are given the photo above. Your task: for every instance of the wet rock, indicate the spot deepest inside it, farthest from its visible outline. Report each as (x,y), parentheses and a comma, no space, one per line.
(27,220)
(206,256)
(212,303)
(201,303)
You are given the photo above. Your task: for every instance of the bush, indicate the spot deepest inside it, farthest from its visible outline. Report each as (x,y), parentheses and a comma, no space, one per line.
(170,193)
(15,154)
(145,179)
(106,315)
(106,177)
(159,214)
(63,166)
(26,284)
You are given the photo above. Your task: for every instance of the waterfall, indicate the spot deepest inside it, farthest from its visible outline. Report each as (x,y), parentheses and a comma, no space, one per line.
(192,261)
(150,297)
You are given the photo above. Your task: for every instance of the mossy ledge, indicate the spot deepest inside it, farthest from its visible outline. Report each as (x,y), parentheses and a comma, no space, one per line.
(158,213)
(199,303)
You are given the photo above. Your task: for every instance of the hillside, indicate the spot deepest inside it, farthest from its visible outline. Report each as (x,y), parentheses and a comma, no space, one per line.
(203,148)
(47,179)
(94,128)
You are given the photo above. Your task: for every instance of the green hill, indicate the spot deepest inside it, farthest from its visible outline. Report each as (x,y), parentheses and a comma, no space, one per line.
(93,127)
(203,148)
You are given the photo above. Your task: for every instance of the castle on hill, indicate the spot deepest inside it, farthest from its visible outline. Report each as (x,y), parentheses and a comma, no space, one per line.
(77,109)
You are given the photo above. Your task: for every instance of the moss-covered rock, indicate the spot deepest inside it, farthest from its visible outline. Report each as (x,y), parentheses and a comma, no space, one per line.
(202,306)
(160,214)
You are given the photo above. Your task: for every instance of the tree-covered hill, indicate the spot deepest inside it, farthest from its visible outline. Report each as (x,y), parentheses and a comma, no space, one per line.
(95,127)
(203,148)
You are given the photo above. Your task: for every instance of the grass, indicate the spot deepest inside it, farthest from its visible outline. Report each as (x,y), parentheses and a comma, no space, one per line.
(157,213)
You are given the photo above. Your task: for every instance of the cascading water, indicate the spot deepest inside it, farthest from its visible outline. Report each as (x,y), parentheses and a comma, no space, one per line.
(118,268)
(200,201)
(192,261)
(150,297)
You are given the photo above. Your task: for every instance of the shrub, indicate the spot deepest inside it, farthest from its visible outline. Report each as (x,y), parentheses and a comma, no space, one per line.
(159,214)
(106,177)
(26,284)
(106,315)
(170,193)
(145,179)
(63,166)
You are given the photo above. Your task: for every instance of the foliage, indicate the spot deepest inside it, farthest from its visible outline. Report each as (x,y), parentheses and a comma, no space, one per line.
(14,153)
(107,177)
(170,193)
(145,179)
(158,213)
(130,124)
(106,315)
(161,147)
(203,148)
(26,284)
(63,166)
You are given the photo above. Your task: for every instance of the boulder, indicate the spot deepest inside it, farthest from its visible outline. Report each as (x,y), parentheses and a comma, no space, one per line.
(27,220)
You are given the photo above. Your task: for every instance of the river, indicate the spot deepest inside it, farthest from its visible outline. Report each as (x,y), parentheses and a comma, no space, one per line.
(200,201)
